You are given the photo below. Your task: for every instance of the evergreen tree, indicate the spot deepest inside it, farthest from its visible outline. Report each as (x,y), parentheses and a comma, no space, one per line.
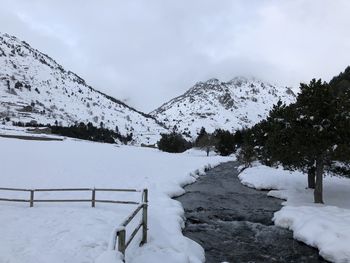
(246,155)
(322,125)
(201,134)
(173,143)
(89,132)
(205,141)
(311,134)
(224,142)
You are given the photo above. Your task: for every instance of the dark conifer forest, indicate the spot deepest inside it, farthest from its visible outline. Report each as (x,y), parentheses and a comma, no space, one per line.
(312,134)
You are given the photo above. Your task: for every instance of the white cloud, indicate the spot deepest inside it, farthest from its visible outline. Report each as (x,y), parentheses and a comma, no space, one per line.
(150,51)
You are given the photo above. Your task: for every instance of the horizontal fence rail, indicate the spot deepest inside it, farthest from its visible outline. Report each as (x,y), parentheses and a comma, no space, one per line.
(120,242)
(93,199)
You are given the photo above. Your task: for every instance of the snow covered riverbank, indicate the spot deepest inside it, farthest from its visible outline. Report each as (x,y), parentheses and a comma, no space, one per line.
(58,233)
(326,227)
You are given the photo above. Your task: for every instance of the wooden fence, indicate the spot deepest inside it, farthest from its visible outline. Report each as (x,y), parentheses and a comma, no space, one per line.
(119,236)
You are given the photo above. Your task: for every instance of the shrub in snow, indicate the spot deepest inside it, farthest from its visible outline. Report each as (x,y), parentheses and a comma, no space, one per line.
(173,143)
(224,142)
(246,155)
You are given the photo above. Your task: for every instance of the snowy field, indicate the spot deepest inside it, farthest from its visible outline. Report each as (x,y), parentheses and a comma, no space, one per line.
(59,233)
(326,227)
(26,132)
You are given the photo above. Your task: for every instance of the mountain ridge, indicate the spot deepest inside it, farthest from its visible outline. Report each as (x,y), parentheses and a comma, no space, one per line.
(34,87)
(212,98)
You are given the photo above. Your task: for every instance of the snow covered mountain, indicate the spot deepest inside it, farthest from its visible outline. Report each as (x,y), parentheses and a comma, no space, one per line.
(35,88)
(231,105)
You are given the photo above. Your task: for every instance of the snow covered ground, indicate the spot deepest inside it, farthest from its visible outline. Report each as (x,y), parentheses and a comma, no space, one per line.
(326,227)
(59,233)
(7,130)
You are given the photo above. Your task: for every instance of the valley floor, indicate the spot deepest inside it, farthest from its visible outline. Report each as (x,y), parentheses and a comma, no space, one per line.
(326,227)
(59,233)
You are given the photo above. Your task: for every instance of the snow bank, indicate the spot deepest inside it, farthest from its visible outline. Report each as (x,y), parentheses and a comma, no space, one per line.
(326,227)
(110,257)
(262,177)
(58,233)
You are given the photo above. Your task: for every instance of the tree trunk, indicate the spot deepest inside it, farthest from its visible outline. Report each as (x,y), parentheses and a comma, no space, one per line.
(318,193)
(208,150)
(311,177)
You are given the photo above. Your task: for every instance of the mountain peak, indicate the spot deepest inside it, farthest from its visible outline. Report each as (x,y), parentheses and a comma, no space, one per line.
(236,104)
(241,80)
(213,81)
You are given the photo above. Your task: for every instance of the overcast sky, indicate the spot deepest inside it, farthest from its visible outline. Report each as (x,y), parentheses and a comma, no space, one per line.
(146,52)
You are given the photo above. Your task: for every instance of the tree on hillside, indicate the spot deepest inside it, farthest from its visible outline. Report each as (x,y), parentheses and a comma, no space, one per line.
(92,133)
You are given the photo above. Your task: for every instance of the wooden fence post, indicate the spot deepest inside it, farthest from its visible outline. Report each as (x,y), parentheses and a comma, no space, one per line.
(121,241)
(144,217)
(144,224)
(93,198)
(31,201)
(145,196)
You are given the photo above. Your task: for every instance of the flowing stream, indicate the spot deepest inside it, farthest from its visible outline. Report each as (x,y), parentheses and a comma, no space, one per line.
(233,223)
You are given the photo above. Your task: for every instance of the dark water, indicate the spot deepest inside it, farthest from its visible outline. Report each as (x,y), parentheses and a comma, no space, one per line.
(233,222)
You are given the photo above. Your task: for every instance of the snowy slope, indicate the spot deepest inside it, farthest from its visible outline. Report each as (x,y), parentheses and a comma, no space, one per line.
(77,233)
(231,105)
(33,87)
